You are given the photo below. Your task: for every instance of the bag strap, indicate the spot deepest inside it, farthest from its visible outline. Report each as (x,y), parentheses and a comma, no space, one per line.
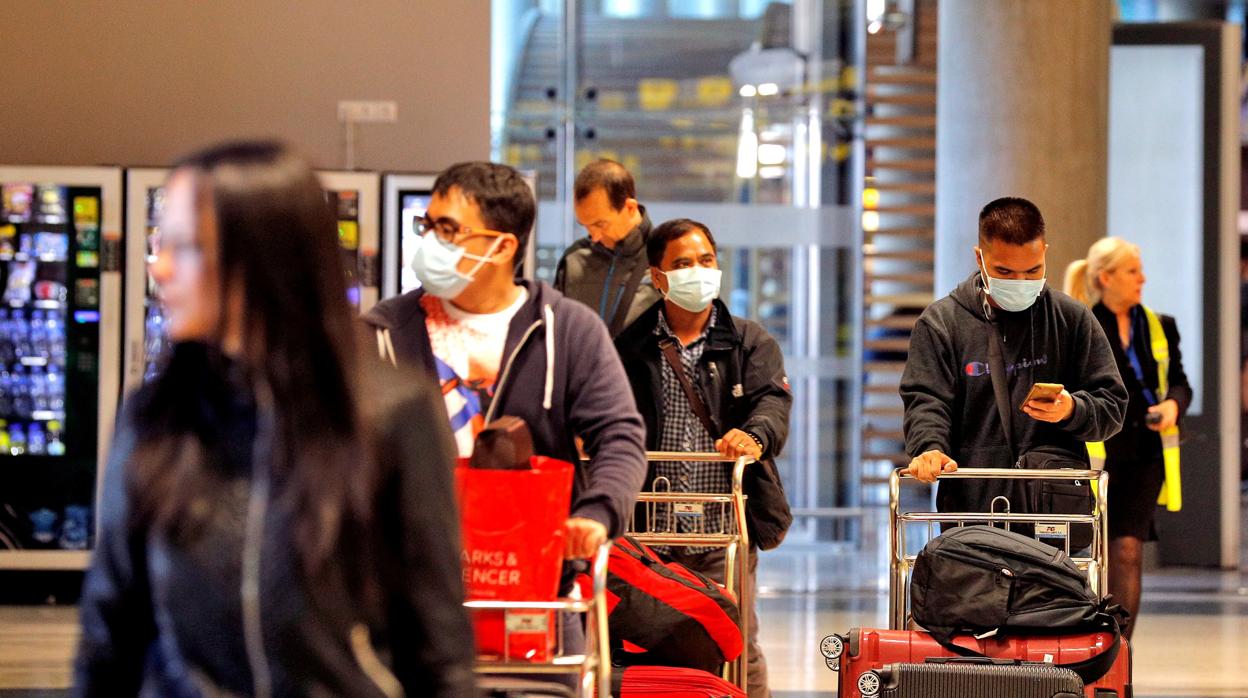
(625,302)
(1090,669)
(996,371)
(668,346)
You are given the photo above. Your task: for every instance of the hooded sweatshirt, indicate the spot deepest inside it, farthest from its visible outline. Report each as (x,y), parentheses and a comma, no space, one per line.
(947,390)
(561,375)
(612,282)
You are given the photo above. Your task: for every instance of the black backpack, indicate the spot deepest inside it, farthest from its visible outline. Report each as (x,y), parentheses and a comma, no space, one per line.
(988,581)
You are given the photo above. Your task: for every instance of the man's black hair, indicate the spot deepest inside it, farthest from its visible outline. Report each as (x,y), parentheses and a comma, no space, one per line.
(609,176)
(504,198)
(656,245)
(1012,220)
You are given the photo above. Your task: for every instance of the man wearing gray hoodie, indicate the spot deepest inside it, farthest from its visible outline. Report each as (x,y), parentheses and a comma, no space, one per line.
(607,270)
(951,415)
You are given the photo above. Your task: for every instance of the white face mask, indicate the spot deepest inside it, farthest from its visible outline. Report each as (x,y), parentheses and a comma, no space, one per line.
(693,288)
(1012,295)
(436,264)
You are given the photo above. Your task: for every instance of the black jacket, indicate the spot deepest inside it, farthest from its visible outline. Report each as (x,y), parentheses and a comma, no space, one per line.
(742,381)
(601,277)
(1136,442)
(584,390)
(948,396)
(170,616)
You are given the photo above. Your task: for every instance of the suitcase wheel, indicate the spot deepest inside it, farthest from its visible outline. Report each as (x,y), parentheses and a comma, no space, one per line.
(869,684)
(832,646)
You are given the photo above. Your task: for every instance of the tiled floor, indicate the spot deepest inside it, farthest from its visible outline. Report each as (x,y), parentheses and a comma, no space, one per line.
(1192,639)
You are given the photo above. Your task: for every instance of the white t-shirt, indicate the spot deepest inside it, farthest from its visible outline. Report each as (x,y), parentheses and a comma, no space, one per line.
(469,350)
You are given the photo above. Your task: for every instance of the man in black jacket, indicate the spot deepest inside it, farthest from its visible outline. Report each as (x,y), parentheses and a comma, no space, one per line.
(951,414)
(731,396)
(502,347)
(607,269)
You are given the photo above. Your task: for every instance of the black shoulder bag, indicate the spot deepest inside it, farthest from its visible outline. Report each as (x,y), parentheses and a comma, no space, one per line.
(1039,496)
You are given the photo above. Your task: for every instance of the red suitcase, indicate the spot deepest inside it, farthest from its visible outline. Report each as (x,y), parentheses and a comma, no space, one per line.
(672,682)
(866,650)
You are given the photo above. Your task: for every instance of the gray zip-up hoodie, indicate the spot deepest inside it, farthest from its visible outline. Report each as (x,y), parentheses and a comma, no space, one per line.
(561,374)
(948,395)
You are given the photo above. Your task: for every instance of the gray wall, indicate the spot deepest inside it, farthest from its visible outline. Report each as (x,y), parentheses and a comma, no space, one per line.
(1023,111)
(140,82)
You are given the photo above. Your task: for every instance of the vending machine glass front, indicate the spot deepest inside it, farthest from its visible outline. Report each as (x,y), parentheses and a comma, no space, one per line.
(50,257)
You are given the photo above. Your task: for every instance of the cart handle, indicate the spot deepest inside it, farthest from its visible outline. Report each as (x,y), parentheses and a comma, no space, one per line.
(1008,474)
(603,643)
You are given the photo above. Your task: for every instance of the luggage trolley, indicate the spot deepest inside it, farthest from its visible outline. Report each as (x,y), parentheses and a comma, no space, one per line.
(1093,561)
(902,646)
(593,668)
(664,508)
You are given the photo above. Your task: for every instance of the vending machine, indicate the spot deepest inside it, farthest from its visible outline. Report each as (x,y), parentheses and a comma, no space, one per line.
(406,196)
(352,195)
(60,364)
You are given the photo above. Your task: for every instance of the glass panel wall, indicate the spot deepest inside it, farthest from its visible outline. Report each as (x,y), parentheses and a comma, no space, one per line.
(736,113)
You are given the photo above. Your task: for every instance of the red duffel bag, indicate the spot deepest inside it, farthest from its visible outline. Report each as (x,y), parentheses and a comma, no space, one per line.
(512,531)
(672,682)
(663,613)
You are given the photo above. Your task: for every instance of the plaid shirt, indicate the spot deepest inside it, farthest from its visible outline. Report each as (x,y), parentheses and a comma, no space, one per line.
(681,430)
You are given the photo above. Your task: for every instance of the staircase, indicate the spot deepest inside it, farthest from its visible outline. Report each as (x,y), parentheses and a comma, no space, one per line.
(899,224)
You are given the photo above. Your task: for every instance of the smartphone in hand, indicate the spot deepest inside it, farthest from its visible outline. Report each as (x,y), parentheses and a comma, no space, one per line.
(1044,392)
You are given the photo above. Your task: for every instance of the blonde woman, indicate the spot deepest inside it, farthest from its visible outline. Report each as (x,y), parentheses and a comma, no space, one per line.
(1143,458)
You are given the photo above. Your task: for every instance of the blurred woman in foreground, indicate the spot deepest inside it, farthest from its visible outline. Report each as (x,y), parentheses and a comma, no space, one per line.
(274,521)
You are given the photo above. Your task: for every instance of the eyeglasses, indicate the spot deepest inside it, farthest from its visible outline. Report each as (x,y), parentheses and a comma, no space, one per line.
(182,250)
(448,229)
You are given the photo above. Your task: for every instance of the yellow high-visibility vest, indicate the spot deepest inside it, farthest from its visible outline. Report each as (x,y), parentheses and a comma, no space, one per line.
(1171,490)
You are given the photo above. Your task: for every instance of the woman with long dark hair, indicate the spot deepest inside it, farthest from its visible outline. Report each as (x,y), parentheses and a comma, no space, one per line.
(276,519)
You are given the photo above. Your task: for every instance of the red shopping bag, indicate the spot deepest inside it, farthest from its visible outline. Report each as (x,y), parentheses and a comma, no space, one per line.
(512,529)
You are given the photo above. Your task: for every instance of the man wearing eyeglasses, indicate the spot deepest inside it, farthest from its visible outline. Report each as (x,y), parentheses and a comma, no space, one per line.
(504,347)
(607,269)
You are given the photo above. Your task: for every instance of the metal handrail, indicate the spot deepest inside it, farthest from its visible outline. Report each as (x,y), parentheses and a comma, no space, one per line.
(899,561)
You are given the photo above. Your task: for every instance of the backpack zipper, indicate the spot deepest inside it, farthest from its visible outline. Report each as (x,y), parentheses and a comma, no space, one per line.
(962,556)
(967,559)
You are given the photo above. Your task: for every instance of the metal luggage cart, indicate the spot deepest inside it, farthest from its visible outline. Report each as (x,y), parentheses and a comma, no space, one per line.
(593,668)
(664,508)
(1092,560)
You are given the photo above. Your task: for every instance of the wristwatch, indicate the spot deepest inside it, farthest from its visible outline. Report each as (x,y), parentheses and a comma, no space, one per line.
(757,440)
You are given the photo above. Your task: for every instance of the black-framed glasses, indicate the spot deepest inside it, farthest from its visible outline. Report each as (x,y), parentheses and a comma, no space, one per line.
(448,229)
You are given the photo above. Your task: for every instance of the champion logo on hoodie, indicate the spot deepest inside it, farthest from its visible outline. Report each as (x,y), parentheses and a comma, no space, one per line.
(974,369)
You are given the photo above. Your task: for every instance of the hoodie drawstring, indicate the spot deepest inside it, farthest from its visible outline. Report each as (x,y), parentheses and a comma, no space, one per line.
(550,356)
(385,347)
